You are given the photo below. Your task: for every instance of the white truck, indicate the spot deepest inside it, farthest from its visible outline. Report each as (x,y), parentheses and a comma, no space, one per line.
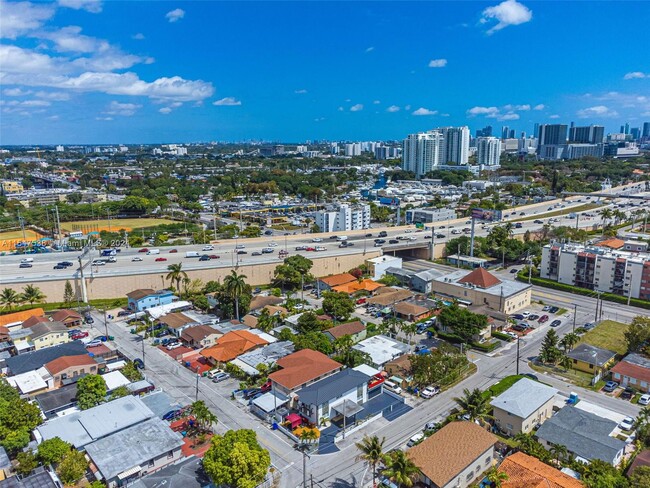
(192,254)
(153,251)
(342,238)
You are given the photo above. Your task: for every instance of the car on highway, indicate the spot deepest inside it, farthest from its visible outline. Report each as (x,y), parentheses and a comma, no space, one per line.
(538,221)
(380,241)
(58,266)
(208,247)
(66,263)
(440,236)
(220,377)
(334,237)
(301,248)
(256,253)
(268,232)
(542,319)
(383,233)
(627,423)
(368,235)
(89,320)
(556,323)
(393,241)
(136,258)
(205,257)
(172,251)
(144,249)
(158,260)
(455,231)
(214,256)
(241,251)
(25,265)
(317,239)
(377,244)
(644,399)
(429,391)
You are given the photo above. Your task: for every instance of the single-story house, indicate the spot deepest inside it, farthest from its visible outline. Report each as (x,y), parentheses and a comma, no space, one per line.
(586,435)
(523,406)
(633,370)
(591,359)
(411,312)
(259,302)
(34,360)
(231,345)
(68,369)
(32,382)
(369,286)
(16,319)
(378,266)
(200,336)
(266,355)
(40,477)
(337,395)
(526,471)
(454,456)
(68,317)
(54,401)
(381,349)
(356,329)
(400,366)
(301,369)
(144,298)
(187,473)
(177,322)
(327,283)
(389,296)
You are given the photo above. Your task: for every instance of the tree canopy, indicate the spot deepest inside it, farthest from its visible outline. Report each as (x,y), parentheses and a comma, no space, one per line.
(91,391)
(462,322)
(338,305)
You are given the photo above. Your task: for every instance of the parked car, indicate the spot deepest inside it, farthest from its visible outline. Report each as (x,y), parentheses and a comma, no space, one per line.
(627,423)
(525,313)
(220,377)
(512,334)
(518,316)
(139,363)
(172,414)
(556,323)
(79,335)
(89,320)
(554,309)
(531,376)
(94,343)
(513,270)
(627,394)
(123,313)
(588,326)
(547,308)
(416,439)
(173,346)
(645,399)
(429,391)
(533,316)
(542,319)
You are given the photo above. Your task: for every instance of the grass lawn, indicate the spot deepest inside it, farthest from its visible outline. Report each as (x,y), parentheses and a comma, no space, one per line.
(608,335)
(115,224)
(578,378)
(18,234)
(562,211)
(501,386)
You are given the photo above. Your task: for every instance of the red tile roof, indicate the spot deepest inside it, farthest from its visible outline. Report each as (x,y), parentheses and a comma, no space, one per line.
(32,321)
(12,318)
(632,371)
(481,277)
(232,344)
(338,279)
(63,315)
(64,362)
(525,471)
(302,367)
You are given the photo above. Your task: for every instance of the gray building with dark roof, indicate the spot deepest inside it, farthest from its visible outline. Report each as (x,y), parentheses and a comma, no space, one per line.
(31,361)
(585,435)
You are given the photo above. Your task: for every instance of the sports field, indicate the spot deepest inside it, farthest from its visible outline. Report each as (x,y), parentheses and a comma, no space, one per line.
(8,240)
(115,224)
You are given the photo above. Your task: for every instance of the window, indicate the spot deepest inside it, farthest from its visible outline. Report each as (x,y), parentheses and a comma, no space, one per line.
(633,381)
(488,460)
(150,464)
(82,371)
(170,454)
(509,426)
(591,366)
(470,476)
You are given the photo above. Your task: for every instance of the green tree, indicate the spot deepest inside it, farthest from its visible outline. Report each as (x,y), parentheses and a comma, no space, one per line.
(52,451)
(235,286)
(119,392)
(371,451)
(33,294)
(236,460)
(204,417)
(301,264)
(565,362)
(549,352)
(474,404)
(20,414)
(312,340)
(72,467)
(637,333)
(286,277)
(13,440)
(640,476)
(68,293)
(131,372)
(389,280)
(600,474)
(251,231)
(91,391)
(266,321)
(558,451)
(27,462)
(338,305)
(9,298)
(462,322)
(400,469)
(176,275)
(569,341)
(496,477)
(309,322)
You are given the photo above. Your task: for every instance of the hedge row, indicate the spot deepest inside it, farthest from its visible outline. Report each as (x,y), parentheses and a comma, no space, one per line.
(450,337)
(101,303)
(489,347)
(502,336)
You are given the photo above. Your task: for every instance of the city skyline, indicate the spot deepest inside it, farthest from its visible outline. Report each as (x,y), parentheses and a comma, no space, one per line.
(92,72)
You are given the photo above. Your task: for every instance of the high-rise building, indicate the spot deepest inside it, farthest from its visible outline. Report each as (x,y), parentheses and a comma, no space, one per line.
(505,131)
(625,129)
(488,151)
(353,149)
(646,129)
(636,133)
(60,148)
(552,134)
(593,134)
(484,132)
(511,134)
(536,130)
(344,218)
(422,152)
(456,145)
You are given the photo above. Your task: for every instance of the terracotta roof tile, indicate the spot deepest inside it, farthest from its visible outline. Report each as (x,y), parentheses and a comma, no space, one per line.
(12,318)
(355,286)
(301,367)
(612,243)
(232,344)
(140,293)
(32,321)
(63,315)
(346,329)
(449,451)
(175,320)
(64,362)
(338,279)
(480,277)
(525,471)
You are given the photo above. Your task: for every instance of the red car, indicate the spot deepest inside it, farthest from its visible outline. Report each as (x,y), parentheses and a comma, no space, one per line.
(79,335)
(173,251)
(542,319)
(161,259)
(310,249)
(214,256)
(144,249)
(360,301)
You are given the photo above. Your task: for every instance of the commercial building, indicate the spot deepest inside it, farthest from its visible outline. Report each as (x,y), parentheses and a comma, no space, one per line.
(9,187)
(552,134)
(592,134)
(345,218)
(488,151)
(378,266)
(576,151)
(429,215)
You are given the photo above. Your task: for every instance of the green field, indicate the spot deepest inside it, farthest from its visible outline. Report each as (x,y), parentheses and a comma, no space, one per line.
(115,224)
(608,335)
(18,234)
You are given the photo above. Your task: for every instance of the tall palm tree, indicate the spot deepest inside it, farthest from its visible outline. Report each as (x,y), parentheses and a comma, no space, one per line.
(372,451)
(32,294)
(475,404)
(408,329)
(176,274)
(266,321)
(9,298)
(204,417)
(235,285)
(559,451)
(605,214)
(569,340)
(400,469)
(565,362)
(496,477)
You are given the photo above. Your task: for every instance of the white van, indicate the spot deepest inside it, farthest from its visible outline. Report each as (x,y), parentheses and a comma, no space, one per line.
(153,251)
(342,238)
(390,386)
(208,247)
(27,260)
(192,254)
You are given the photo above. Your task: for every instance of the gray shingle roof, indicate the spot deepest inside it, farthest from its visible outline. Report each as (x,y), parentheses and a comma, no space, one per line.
(591,354)
(332,387)
(582,433)
(31,361)
(524,397)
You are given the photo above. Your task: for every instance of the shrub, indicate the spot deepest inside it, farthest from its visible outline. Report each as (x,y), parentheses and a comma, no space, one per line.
(502,336)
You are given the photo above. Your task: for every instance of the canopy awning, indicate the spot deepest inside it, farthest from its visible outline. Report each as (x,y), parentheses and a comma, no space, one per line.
(347,408)
(129,472)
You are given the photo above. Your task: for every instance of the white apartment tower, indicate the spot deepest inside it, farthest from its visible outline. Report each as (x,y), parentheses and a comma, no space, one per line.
(456,145)
(488,151)
(423,152)
(343,219)
(353,149)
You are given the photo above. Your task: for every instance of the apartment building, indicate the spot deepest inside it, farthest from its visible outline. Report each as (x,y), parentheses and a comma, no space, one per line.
(346,217)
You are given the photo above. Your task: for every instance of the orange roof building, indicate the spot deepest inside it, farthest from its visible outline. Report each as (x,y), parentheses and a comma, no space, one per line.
(231,345)
(329,282)
(480,278)
(302,368)
(62,363)
(16,318)
(354,286)
(611,243)
(525,471)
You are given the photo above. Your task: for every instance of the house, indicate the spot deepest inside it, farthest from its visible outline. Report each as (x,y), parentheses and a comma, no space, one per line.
(177,322)
(68,369)
(55,401)
(634,371)
(411,312)
(231,345)
(301,369)
(259,302)
(526,471)
(31,382)
(378,266)
(354,329)
(200,336)
(34,360)
(422,281)
(591,359)
(187,473)
(381,349)
(38,478)
(144,298)
(31,321)
(368,286)
(136,451)
(15,320)
(329,282)
(400,366)
(337,395)
(44,334)
(403,275)
(480,287)
(523,406)
(454,456)
(68,317)
(641,459)
(389,296)
(265,356)
(586,435)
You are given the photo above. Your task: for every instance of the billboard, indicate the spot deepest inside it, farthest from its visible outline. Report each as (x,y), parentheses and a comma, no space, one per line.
(486,215)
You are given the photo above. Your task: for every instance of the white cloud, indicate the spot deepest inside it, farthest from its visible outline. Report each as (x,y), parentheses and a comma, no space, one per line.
(636,75)
(70,39)
(510,107)
(438,63)
(554,116)
(54,96)
(370,49)
(597,111)
(25,103)
(356,108)
(506,112)
(103,118)
(508,116)
(53,117)
(92,6)
(15,92)
(487,111)
(392,108)
(424,111)
(138,37)
(407,107)
(509,12)
(165,110)
(20,17)
(539,106)
(227,102)
(302,91)
(125,109)
(175,15)
(340,109)
(377,102)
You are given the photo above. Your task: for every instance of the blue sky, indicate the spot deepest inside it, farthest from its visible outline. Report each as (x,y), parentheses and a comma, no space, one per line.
(86,71)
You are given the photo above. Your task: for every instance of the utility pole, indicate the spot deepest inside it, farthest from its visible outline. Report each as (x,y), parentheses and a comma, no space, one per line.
(597,299)
(575,313)
(196,397)
(530,267)
(302,287)
(84,296)
(471,240)
(433,243)
(517,354)
(144,364)
(214,223)
(105,325)
(58,227)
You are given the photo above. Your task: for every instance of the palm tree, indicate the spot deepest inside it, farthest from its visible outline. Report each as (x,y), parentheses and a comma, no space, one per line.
(474,404)
(176,274)
(559,451)
(372,452)
(266,321)
(400,469)
(9,298)
(565,362)
(32,294)
(496,477)
(204,417)
(408,329)
(605,214)
(569,340)
(235,285)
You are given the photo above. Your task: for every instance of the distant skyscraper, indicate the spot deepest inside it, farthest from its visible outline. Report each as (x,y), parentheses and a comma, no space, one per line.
(625,129)
(484,132)
(353,149)
(646,129)
(593,134)
(511,134)
(636,133)
(422,152)
(504,132)
(552,134)
(488,151)
(536,130)
(456,145)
